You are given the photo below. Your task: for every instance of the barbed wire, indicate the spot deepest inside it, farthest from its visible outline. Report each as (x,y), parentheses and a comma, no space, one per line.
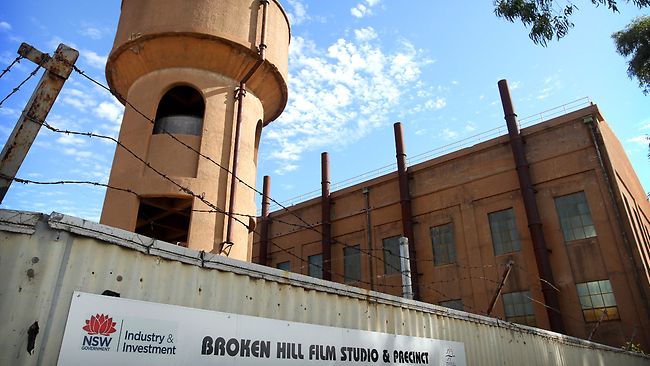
(17,60)
(187,190)
(305,225)
(64,182)
(129,104)
(429,286)
(16,89)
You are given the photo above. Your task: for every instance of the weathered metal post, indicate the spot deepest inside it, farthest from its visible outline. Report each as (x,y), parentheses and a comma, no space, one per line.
(497,292)
(405,203)
(532,213)
(266,222)
(405,267)
(58,69)
(325,217)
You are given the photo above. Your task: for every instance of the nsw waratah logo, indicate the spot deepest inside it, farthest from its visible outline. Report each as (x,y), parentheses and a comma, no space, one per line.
(101,324)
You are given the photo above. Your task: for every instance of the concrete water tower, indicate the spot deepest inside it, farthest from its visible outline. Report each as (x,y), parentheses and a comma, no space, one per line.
(207,76)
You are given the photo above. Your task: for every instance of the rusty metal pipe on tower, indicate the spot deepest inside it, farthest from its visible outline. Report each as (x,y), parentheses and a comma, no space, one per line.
(326,202)
(405,204)
(266,221)
(532,213)
(241,93)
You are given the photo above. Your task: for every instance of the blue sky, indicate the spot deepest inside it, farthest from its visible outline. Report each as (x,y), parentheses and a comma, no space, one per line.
(356,67)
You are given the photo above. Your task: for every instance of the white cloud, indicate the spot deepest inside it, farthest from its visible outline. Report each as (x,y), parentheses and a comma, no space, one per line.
(93,59)
(286,168)
(515,84)
(111,111)
(93,32)
(4,26)
(641,140)
(364,8)
(71,140)
(470,126)
(77,99)
(78,154)
(340,94)
(449,134)
(298,13)
(439,103)
(365,34)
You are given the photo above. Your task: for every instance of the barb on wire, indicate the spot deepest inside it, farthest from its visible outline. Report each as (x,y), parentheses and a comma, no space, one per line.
(17,60)
(16,89)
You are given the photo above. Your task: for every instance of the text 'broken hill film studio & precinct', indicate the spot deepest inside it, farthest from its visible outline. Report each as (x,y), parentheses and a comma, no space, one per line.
(523,246)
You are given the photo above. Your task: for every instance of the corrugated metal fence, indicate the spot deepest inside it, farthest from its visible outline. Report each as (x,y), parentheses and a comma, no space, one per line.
(43,259)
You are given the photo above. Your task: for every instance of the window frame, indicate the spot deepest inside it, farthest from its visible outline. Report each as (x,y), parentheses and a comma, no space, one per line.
(389,258)
(453,304)
(280,265)
(574,216)
(599,292)
(315,269)
(348,256)
(444,247)
(516,311)
(505,234)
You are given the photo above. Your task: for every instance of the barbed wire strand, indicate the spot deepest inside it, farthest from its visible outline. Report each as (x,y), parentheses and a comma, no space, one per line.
(16,89)
(17,60)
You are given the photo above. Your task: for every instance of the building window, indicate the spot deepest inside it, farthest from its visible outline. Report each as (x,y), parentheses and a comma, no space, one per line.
(442,239)
(503,227)
(391,255)
(285,266)
(180,112)
(316,265)
(575,217)
(597,301)
(352,263)
(519,308)
(453,304)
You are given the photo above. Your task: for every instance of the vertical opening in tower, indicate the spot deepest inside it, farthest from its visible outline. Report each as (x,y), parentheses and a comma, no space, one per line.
(165,218)
(180,112)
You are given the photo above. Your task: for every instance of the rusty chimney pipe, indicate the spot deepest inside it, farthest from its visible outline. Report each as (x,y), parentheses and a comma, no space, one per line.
(405,203)
(266,221)
(325,217)
(532,214)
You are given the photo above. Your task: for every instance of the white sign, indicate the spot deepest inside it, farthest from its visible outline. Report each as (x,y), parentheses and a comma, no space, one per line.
(104,330)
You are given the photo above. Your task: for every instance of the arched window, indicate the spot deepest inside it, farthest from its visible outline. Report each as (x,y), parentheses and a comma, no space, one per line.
(180,112)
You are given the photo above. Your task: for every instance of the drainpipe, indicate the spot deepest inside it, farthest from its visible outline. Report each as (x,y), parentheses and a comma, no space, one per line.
(405,203)
(326,241)
(266,221)
(371,271)
(532,213)
(240,94)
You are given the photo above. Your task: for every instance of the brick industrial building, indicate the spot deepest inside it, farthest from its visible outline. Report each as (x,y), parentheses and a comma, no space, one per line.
(468,219)
(573,218)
